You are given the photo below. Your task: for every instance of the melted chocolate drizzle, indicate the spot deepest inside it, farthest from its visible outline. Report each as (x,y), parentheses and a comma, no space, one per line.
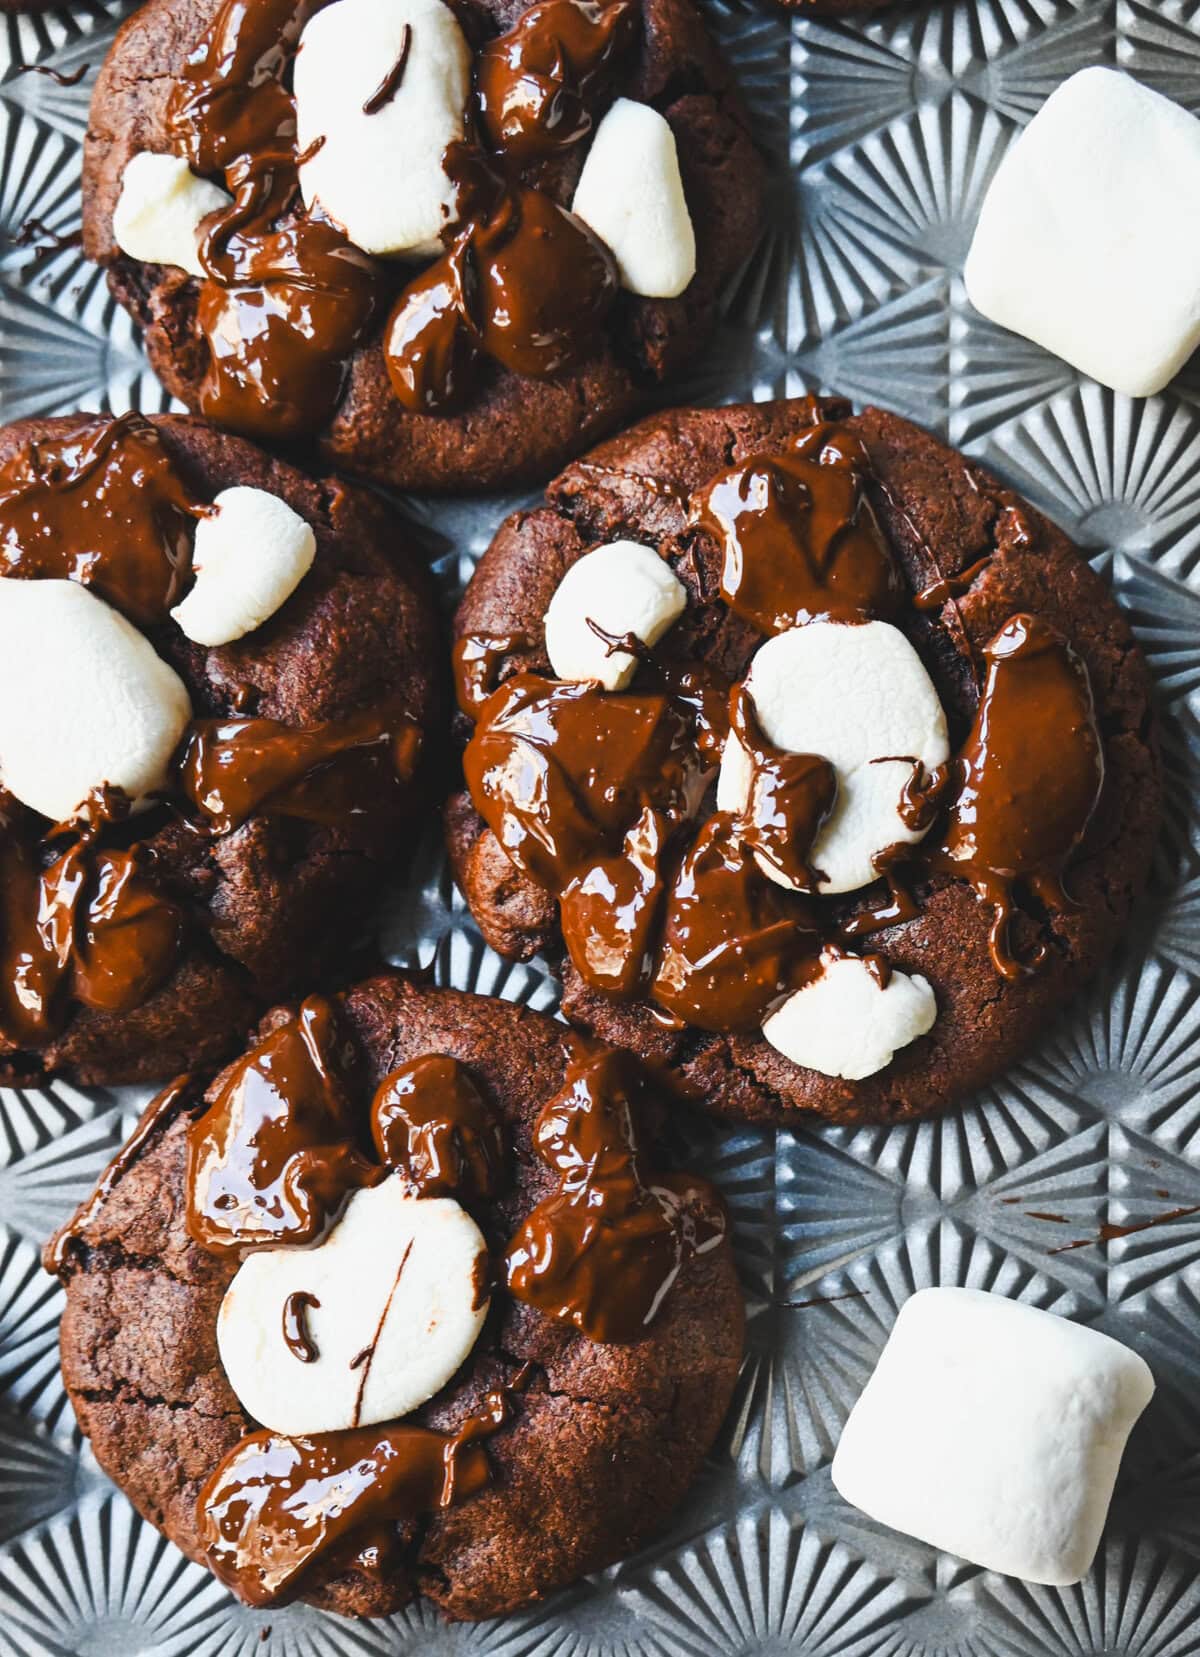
(525,282)
(475,662)
(733,944)
(429,1120)
(602,1252)
(537,85)
(1029,777)
(596,795)
(89,927)
(274,1155)
(287,298)
(562,772)
(229,769)
(799,536)
(275,1505)
(102,505)
(297,1338)
(789,800)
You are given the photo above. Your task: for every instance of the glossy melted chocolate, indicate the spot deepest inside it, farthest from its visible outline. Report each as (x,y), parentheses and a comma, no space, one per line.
(790,797)
(275,1153)
(175,1096)
(274,1505)
(1029,777)
(732,944)
(538,85)
(102,505)
(562,772)
(603,1251)
(90,927)
(287,298)
(799,536)
(429,1120)
(596,795)
(526,283)
(229,769)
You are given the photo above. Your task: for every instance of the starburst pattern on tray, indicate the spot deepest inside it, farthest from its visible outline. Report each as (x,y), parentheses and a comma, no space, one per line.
(1069,1182)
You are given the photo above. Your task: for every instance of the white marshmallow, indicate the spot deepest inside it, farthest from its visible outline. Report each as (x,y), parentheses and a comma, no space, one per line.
(859,697)
(84,699)
(380,177)
(630,193)
(1088,242)
(844,1024)
(158,213)
(994,1431)
(249,557)
(623,587)
(397,1278)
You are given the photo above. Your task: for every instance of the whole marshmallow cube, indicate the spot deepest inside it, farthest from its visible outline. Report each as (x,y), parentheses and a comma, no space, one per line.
(623,587)
(630,193)
(1088,242)
(249,557)
(384,88)
(994,1431)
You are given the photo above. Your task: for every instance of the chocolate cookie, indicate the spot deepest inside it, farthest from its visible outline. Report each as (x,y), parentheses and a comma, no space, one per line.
(858,564)
(583,1408)
(516,348)
(279,770)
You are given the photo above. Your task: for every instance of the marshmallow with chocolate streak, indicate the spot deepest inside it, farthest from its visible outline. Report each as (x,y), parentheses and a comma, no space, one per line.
(380,93)
(631,194)
(847,1023)
(859,697)
(994,1430)
(159,211)
(249,557)
(85,701)
(623,587)
(363,1326)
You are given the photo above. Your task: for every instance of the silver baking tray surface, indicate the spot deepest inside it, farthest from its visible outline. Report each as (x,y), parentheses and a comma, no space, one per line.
(883,133)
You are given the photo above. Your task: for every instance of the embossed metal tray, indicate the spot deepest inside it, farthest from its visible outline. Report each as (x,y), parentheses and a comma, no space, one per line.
(1074,1183)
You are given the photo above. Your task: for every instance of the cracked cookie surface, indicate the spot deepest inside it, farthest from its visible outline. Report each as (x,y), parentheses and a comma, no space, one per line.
(361,630)
(942,515)
(606,1438)
(514,428)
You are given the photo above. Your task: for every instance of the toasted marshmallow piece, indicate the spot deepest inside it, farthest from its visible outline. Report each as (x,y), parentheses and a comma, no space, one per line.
(248,558)
(1087,243)
(859,697)
(380,176)
(630,193)
(400,1280)
(994,1431)
(844,1024)
(624,588)
(158,213)
(84,699)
